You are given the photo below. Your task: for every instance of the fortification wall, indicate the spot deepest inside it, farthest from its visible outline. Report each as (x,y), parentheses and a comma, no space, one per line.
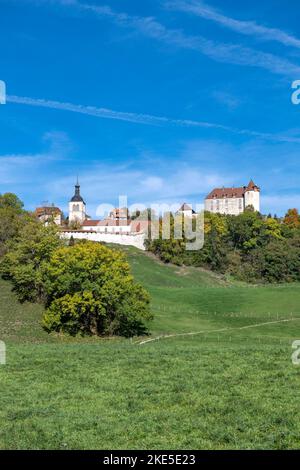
(133,239)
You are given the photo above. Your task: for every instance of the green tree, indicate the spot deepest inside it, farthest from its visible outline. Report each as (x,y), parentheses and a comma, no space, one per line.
(90,290)
(245,230)
(12,201)
(27,252)
(12,219)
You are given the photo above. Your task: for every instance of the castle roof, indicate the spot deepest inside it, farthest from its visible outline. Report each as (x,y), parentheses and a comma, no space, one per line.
(230,193)
(252,186)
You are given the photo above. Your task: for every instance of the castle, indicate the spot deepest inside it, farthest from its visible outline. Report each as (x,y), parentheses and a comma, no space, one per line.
(233,201)
(120,228)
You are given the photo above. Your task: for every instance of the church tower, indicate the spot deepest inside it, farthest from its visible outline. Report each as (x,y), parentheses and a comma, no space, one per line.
(252,196)
(77,211)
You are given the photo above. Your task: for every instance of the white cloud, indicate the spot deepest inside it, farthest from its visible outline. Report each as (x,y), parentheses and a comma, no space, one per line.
(249,28)
(147,119)
(221,52)
(279,204)
(20,170)
(227,99)
(196,167)
(152,183)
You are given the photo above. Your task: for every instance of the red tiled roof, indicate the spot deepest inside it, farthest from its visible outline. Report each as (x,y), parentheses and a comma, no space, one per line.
(252,186)
(113,223)
(51,210)
(228,193)
(90,223)
(219,193)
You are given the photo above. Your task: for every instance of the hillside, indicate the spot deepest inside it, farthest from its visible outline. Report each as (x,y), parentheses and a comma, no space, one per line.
(231,385)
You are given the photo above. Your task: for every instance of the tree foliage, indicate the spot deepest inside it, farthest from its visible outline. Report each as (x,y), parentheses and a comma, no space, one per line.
(26,253)
(250,247)
(89,289)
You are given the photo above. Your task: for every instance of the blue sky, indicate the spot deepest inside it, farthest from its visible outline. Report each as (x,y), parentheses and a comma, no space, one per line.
(161,100)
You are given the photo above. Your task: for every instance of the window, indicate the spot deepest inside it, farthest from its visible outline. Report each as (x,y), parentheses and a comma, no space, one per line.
(218,205)
(212,205)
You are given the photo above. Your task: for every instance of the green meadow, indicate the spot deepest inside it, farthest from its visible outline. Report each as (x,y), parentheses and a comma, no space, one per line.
(217,375)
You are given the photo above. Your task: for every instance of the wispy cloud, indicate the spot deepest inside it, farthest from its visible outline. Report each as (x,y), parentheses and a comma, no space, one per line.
(249,28)
(227,99)
(196,168)
(235,54)
(146,119)
(22,169)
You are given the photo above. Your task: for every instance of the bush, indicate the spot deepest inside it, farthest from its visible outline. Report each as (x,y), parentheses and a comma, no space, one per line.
(89,290)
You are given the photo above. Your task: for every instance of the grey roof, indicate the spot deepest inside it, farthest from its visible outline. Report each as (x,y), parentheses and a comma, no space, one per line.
(77,196)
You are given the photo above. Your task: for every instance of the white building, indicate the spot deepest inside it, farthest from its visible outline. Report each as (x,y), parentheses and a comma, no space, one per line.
(186,211)
(77,207)
(48,214)
(233,201)
(118,222)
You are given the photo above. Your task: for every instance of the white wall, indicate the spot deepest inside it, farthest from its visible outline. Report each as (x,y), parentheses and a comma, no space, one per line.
(113,229)
(76,215)
(252,198)
(232,206)
(136,240)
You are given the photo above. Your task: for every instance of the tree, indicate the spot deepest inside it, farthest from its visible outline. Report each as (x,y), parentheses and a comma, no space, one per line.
(12,219)
(292,218)
(12,201)
(89,290)
(26,254)
(75,225)
(245,230)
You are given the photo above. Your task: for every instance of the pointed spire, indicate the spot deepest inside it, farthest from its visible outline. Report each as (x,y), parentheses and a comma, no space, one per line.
(77,196)
(252,186)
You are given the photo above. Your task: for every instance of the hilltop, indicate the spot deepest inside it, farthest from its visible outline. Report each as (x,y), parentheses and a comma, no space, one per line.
(233,388)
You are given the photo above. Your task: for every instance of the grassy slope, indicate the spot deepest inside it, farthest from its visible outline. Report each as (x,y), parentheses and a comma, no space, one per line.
(231,389)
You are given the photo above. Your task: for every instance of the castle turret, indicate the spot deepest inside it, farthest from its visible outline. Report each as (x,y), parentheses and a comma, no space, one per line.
(252,196)
(77,212)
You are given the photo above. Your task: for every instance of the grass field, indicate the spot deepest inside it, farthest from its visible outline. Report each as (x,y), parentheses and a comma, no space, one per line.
(230,385)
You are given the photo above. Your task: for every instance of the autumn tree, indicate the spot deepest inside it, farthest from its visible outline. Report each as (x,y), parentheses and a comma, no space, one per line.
(292,218)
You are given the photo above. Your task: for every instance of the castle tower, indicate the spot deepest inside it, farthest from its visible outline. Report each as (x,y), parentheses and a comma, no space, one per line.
(252,196)
(77,206)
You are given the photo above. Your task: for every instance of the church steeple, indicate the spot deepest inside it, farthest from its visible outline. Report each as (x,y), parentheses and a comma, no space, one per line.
(77,196)
(77,206)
